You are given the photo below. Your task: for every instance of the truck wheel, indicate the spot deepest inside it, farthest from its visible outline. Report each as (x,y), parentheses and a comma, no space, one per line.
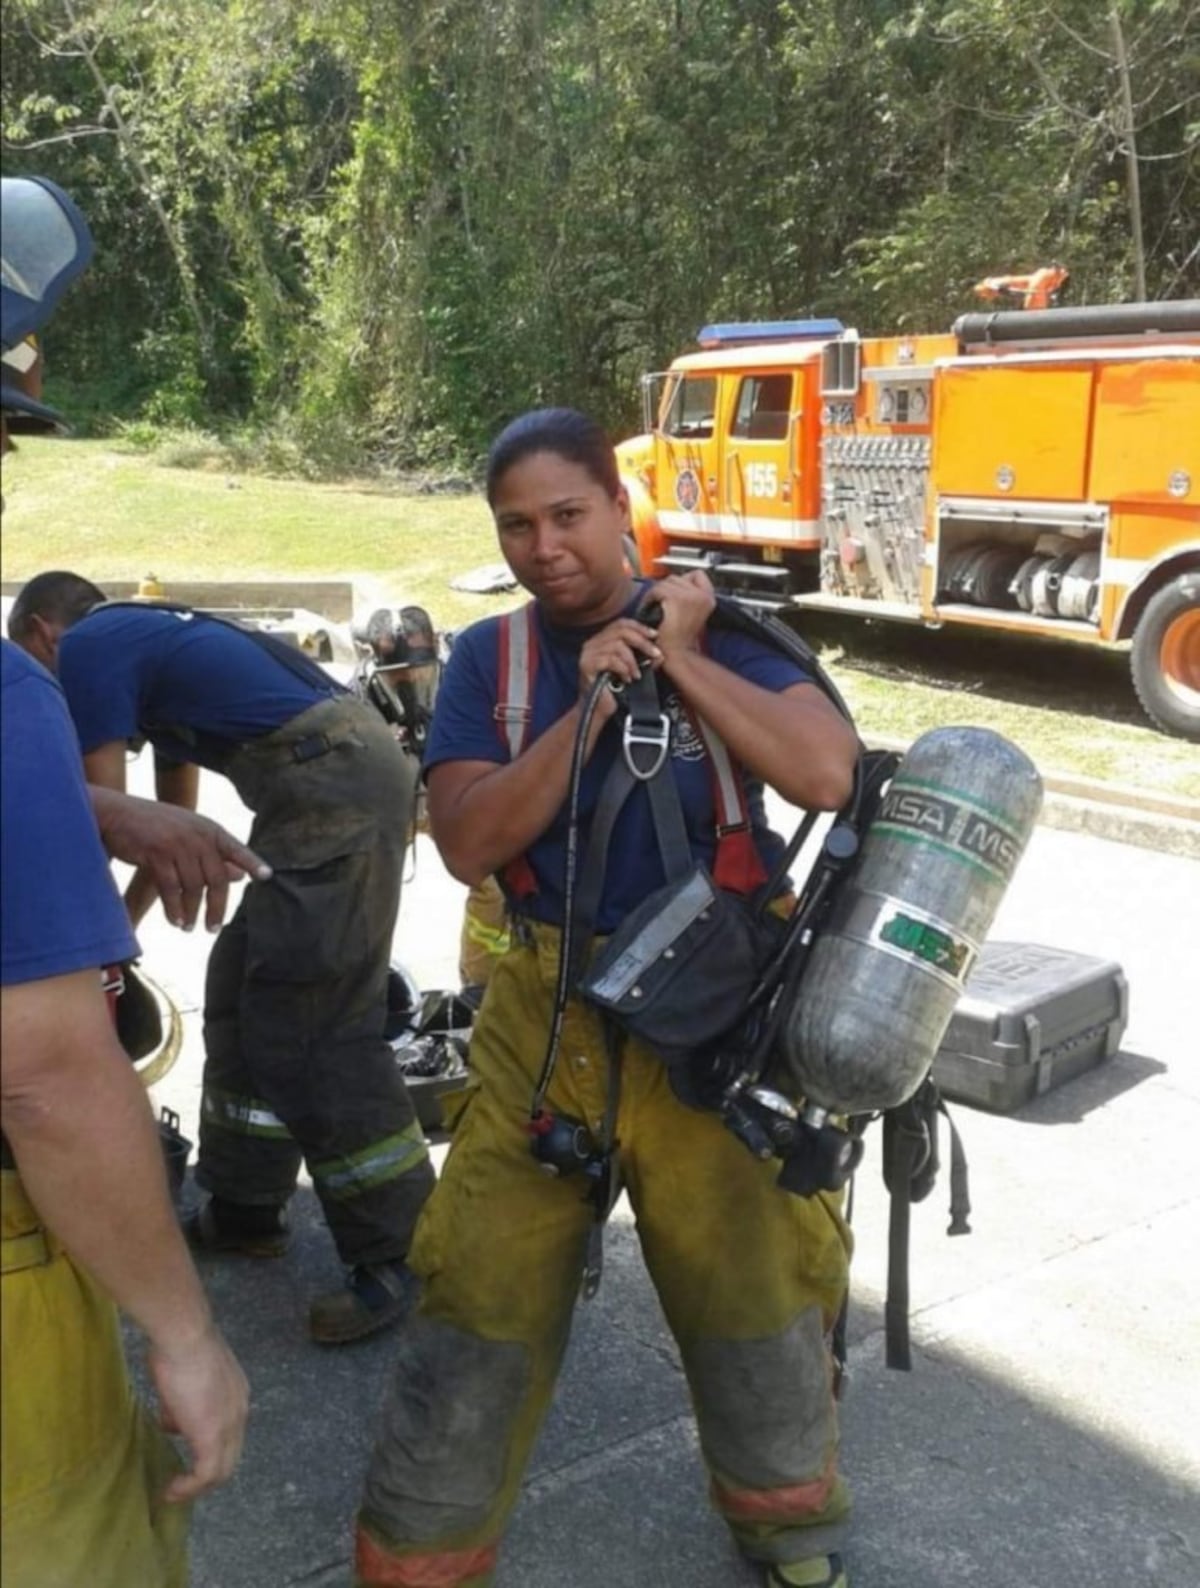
(1165,660)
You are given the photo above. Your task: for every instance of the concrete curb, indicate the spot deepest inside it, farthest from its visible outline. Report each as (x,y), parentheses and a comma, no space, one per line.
(332,598)
(1171,835)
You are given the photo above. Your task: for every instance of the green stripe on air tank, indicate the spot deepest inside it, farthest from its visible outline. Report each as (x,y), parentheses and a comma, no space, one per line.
(1002,818)
(910,836)
(957,825)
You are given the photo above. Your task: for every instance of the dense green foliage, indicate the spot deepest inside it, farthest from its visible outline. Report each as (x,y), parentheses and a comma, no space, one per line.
(374,229)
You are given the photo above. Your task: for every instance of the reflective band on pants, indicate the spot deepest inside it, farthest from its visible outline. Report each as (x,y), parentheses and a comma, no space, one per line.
(246,1116)
(383,1160)
(446,1569)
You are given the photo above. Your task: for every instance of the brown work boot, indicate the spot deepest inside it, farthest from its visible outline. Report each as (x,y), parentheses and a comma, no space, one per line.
(235,1230)
(375,1296)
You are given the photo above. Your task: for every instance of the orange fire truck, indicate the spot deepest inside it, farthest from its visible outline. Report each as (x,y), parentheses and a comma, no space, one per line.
(1035,470)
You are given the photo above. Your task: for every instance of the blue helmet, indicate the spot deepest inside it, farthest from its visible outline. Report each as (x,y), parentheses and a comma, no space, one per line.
(44,245)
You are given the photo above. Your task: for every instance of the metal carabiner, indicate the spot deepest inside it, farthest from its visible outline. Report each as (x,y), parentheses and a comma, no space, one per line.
(633,734)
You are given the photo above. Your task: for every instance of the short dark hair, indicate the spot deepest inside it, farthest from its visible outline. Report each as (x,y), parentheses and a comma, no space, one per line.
(58,596)
(565,431)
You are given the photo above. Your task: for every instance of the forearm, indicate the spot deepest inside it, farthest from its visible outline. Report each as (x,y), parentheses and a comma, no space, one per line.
(177,783)
(140,894)
(795,741)
(180,857)
(87,1149)
(500,814)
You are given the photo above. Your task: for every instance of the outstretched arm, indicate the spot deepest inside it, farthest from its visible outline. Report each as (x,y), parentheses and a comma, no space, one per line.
(180,857)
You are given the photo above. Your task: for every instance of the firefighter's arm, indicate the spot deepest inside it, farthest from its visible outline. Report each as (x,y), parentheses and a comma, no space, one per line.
(483,815)
(177,783)
(796,740)
(180,857)
(104,767)
(187,857)
(87,1150)
(177,786)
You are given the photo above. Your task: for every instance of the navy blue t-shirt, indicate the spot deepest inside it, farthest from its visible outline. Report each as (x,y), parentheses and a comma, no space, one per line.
(60,908)
(140,672)
(464,728)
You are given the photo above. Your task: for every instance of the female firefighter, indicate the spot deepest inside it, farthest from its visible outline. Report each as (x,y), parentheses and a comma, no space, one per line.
(750,1278)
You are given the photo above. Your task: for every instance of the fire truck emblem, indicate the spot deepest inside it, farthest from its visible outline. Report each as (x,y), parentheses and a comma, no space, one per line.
(687,490)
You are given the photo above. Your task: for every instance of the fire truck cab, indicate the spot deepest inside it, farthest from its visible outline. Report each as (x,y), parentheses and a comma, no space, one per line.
(1036,471)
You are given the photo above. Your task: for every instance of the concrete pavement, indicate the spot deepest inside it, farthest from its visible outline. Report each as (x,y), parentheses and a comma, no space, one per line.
(1048,1432)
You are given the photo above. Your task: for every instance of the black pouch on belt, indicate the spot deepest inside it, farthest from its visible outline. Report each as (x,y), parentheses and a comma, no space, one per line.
(680,971)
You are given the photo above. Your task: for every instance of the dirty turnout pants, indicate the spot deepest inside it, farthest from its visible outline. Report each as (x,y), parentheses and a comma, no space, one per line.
(82,1468)
(296,994)
(750,1280)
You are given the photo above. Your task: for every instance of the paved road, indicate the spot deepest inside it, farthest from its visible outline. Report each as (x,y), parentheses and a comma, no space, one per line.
(1047,1434)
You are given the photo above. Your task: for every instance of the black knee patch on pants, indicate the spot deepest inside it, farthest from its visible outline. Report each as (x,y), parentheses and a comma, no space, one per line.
(439,1465)
(764,1406)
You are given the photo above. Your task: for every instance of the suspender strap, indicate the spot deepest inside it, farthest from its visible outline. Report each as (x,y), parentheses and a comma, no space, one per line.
(910,1146)
(513,710)
(641,699)
(737,864)
(517,678)
(614,791)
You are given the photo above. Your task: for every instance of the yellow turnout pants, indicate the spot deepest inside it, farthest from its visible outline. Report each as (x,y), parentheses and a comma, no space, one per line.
(83,1469)
(485,933)
(749,1277)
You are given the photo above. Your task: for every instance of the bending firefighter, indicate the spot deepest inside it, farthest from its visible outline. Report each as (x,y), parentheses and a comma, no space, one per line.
(296,993)
(750,1278)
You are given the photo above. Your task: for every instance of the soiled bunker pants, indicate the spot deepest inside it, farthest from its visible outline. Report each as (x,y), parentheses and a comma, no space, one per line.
(82,1468)
(296,995)
(749,1277)
(485,934)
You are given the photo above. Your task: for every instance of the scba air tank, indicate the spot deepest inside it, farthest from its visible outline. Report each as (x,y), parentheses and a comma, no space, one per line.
(885,974)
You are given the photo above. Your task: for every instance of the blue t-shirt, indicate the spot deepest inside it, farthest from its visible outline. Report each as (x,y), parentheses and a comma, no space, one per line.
(464,728)
(144,672)
(60,908)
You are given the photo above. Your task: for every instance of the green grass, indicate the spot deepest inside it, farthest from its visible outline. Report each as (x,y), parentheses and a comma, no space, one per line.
(113,514)
(109,513)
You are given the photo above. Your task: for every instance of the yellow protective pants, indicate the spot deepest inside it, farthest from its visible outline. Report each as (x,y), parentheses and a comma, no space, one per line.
(83,1468)
(749,1277)
(485,934)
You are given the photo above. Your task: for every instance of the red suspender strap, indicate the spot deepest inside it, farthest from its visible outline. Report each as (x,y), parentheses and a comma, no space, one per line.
(516,678)
(737,864)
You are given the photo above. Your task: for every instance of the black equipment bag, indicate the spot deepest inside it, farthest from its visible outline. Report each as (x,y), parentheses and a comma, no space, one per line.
(681,970)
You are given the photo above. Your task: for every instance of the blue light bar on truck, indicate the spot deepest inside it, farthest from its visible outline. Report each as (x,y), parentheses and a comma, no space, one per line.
(738,332)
